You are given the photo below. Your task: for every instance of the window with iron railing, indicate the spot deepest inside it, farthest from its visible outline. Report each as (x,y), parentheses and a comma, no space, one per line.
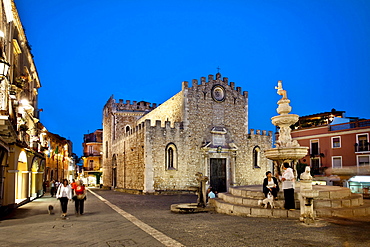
(362,147)
(362,143)
(91,165)
(314,150)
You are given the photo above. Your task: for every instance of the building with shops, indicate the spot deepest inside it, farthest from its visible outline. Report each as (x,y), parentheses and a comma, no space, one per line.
(201,129)
(337,144)
(22,157)
(92,158)
(59,161)
(26,147)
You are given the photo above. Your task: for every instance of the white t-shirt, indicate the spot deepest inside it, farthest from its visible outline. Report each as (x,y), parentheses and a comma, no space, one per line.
(289,179)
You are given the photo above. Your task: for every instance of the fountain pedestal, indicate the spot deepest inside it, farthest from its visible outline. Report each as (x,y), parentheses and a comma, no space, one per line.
(306,196)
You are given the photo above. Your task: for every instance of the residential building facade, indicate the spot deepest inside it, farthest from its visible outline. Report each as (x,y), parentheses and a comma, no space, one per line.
(25,144)
(201,129)
(59,160)
(22,159)
(338,145)
(92,158)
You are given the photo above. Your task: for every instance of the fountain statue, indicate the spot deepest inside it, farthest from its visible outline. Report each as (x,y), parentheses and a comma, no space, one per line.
(202,194)
(289,151)
(286,150)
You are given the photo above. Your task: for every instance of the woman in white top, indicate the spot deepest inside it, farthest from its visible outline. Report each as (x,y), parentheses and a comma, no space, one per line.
(288,187)
(64,194)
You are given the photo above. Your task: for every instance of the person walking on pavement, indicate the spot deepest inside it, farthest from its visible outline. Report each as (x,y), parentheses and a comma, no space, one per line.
(73,186)
(80,197)
(64,193)
(52,188)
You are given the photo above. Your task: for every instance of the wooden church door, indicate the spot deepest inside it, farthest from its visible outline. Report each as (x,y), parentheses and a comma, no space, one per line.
(218,175)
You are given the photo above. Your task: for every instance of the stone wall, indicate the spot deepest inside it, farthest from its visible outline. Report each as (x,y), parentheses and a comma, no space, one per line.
(171,110)
(199,128)
(129,153)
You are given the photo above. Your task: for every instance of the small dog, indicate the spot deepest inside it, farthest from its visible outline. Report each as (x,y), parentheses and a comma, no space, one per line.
(50,209)
(266,201)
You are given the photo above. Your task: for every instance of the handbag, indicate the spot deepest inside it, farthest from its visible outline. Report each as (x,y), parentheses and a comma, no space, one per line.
(81,196)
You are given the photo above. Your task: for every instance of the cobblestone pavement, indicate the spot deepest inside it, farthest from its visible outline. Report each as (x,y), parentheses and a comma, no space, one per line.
(212,229)
(147,216)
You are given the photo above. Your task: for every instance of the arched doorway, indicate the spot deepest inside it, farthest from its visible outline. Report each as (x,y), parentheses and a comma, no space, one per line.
(114,172)
(34,180)
(37,170)
(22,181)
(3,163)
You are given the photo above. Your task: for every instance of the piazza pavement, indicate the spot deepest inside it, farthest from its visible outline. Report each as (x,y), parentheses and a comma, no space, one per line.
(119,219)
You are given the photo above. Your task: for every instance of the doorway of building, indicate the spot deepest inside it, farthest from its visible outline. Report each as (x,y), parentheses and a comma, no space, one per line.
(114,177)
(218,175)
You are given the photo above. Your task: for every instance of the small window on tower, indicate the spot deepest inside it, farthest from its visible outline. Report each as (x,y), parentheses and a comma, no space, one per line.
(256,157)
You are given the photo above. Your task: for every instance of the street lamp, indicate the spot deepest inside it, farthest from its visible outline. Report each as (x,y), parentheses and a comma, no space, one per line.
(4,67)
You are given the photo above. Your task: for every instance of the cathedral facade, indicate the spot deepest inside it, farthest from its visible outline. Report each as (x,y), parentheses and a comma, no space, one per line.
(203,128)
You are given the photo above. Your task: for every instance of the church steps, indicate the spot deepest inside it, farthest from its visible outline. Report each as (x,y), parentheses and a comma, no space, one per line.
(353,200)
(332,201)
(251,211)
(363,210)
(251,202)
(255,191)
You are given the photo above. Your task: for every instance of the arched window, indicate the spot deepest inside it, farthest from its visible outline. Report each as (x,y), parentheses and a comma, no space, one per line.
(256,157)
(127,129)
(171,157)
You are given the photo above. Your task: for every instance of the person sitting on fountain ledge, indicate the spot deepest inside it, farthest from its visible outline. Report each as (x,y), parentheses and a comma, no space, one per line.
(270,184)
(288,186)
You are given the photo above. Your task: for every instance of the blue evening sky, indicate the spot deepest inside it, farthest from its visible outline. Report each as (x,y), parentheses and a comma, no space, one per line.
(87,50)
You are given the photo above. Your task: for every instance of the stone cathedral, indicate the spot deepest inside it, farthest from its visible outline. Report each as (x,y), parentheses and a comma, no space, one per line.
(203,128)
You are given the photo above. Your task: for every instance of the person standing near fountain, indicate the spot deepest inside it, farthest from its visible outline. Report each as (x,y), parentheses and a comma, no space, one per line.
(288,187)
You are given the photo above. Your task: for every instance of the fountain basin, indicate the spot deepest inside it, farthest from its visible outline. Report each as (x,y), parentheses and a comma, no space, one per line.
(286,153)
(286,119)
(309,193)
(189,208)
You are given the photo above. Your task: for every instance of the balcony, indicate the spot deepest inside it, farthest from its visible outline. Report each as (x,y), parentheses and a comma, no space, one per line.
(7,131)
(89,154)
(362,147)
(350,125)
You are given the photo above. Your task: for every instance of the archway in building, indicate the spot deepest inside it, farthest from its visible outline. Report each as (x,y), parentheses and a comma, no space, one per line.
(22,181)
(36,181)
(3,163)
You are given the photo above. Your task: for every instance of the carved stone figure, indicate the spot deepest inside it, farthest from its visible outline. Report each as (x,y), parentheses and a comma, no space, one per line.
(307,174)
(281,91)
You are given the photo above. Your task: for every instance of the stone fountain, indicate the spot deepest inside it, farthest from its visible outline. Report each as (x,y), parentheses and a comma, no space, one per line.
(289,151)
(286,150)
(201,204)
